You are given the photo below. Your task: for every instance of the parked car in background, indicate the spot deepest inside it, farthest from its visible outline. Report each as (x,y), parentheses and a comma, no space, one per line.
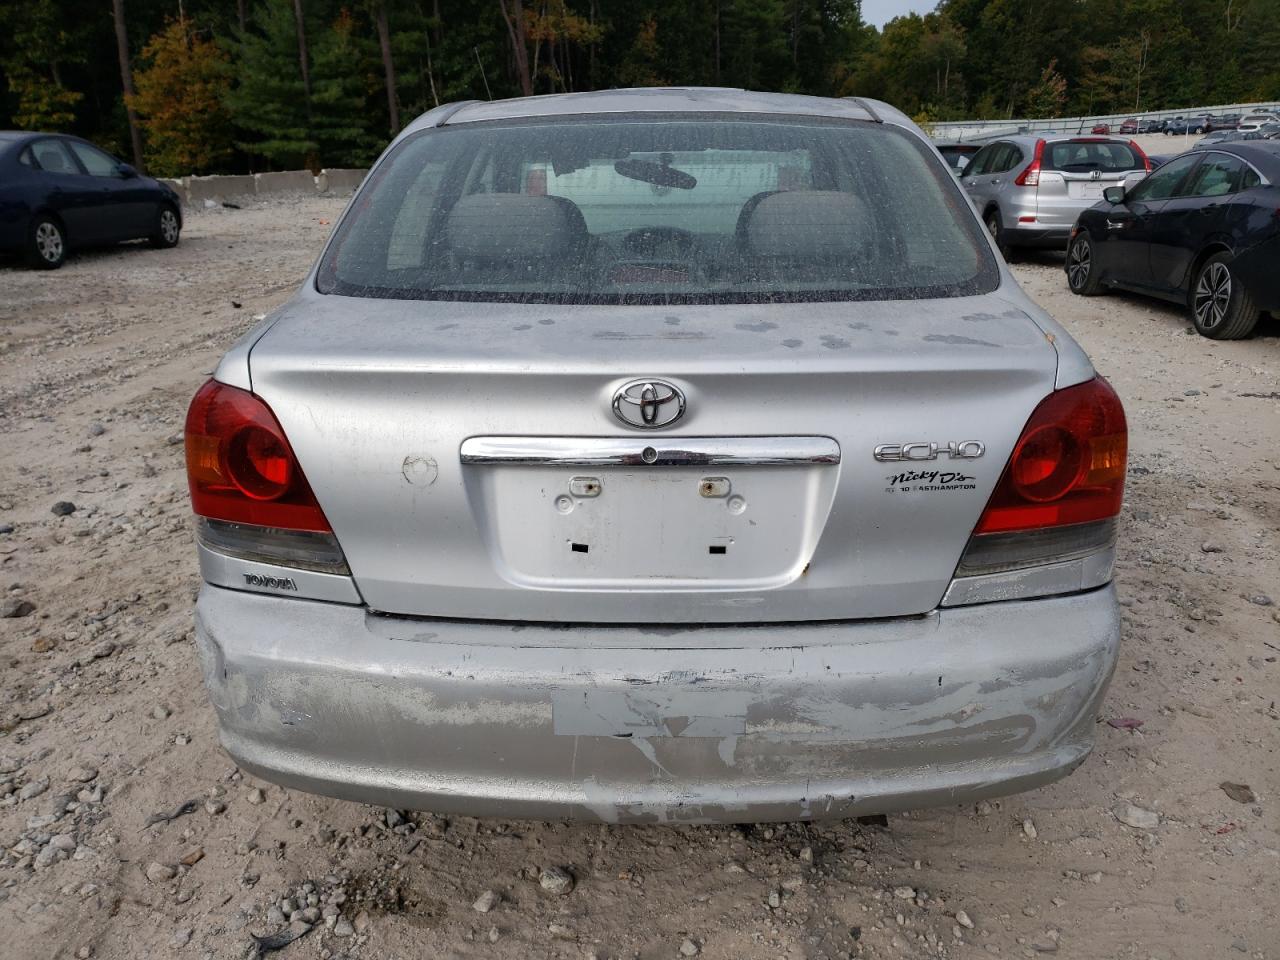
(1227,121)
(1029,190)
(1101,128)
(1216,137)
(1202,230)
(957,154)
(60,192)
(1185,125)
(1129,127)
(486,528)
(1256,121)
(1151,125)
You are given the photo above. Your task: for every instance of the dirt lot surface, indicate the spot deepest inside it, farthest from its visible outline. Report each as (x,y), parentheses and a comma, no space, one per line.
(104,723)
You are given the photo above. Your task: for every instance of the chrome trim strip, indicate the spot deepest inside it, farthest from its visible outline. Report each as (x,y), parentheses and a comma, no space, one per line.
(237,574)
(1072,576)
(667,452)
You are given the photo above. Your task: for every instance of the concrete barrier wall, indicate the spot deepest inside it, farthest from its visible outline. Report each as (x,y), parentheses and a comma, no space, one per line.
(340,180)
(286,181)
(199,189)
(196,190)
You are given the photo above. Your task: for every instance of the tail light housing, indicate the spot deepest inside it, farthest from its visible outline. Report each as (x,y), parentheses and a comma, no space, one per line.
(1030,177)
(240,466)
(251,497)
(1056,503)
(1146,161)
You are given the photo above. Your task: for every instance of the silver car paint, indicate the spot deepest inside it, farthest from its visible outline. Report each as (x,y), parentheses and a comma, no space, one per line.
(635,724)
(356,402)
(302,687)
(1050,204)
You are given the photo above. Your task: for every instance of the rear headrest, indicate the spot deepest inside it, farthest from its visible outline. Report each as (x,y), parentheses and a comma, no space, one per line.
(806,224)
(514,226)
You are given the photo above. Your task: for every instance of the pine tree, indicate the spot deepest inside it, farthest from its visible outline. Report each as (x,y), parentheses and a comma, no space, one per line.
(269,105)
(344,78)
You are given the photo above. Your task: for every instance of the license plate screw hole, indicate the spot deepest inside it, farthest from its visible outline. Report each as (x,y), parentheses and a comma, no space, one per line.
(579,547)
(717,549)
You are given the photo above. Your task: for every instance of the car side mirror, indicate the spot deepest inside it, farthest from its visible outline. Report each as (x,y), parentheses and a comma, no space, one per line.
(1114,195)
(127,171)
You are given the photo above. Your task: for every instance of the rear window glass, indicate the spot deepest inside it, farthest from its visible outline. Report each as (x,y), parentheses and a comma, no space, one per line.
(659,209)
(1086,156)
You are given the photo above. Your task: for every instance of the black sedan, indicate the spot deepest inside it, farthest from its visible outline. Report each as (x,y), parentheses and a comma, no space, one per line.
(58,192)
(1204,230)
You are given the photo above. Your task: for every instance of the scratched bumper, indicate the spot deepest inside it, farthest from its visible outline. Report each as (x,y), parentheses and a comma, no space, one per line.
(736,723)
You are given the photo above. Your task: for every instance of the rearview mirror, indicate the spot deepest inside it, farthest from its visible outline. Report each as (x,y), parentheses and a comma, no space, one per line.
(126,170)
(1113,195)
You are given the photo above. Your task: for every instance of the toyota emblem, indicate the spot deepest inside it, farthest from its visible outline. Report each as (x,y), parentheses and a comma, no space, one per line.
(648,404)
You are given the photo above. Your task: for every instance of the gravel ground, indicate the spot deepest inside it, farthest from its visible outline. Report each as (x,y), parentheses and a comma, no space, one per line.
(1163,845)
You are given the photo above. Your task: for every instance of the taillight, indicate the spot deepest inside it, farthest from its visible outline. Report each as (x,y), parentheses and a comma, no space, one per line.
(240,466)
(1068,466)
(1146,161)
(1055,505)
(1030,177)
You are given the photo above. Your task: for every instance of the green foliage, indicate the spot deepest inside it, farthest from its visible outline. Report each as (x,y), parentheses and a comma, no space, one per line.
(966,58)
(42,43)
(180,100)
(269,104)
(1049,95)
(42,104)
(345,81)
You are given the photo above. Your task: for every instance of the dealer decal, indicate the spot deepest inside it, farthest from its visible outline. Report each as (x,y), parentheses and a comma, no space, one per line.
(930,481)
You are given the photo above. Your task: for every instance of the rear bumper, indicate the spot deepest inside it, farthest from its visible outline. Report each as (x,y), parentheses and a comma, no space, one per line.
(1038,235)
(736,723)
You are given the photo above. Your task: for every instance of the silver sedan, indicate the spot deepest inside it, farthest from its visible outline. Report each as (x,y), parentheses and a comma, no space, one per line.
(658,455)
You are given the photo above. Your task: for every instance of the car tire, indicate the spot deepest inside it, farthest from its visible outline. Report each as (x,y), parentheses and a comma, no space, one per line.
(996,229)
(168,227)
(1082,278)
(1220,306)
(46,243)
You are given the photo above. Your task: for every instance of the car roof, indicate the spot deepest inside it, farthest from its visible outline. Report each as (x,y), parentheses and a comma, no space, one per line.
(1030,139)
(660,100)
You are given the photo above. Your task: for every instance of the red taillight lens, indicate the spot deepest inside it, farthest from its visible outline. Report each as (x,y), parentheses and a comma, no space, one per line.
(239,464)
(1146,161)
(1030,177)
(1068,465)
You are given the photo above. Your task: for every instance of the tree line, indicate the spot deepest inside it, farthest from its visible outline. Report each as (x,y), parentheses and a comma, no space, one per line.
(202,86)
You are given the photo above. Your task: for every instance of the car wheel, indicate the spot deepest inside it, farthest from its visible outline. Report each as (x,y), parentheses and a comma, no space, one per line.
(1082,278)
(47,244)
(167,227)
(992,220)
(1221,308)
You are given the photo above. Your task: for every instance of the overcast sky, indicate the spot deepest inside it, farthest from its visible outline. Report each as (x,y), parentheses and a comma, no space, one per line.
(880,12)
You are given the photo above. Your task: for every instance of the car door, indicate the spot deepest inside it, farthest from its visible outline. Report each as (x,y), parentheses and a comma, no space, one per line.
(973,173)
(1130,223)
(71,193)
(126,209)
(1189,218)
(997,175)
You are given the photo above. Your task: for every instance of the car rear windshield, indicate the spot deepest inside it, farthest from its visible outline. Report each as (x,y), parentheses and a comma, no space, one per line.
(659,209)
(1088,155)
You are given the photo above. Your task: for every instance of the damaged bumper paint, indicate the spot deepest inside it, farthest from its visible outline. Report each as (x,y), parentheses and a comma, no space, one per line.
(734,723)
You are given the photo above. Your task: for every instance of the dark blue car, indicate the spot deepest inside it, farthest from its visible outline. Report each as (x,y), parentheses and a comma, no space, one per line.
(59,192)
(1201,230)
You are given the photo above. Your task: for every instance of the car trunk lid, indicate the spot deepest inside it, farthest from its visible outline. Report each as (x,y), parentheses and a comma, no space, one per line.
(469,460)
